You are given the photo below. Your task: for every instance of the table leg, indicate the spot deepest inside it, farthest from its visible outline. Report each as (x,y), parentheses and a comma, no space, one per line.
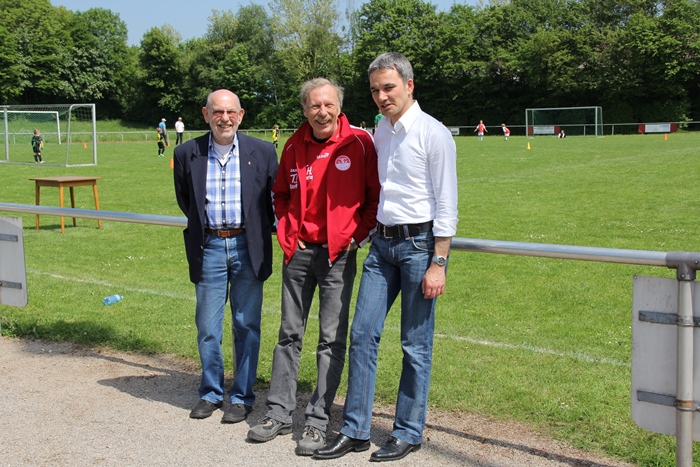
(38,190)
(72,204)
(60,198)
(97,204)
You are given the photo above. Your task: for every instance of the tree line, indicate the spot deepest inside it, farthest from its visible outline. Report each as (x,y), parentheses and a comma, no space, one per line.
(638,59)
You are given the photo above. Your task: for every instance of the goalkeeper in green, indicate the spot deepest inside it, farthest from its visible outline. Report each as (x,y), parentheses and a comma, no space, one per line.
(37,146)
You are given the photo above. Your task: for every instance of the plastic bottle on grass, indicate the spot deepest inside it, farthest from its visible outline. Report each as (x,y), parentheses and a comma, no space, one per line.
(112,299)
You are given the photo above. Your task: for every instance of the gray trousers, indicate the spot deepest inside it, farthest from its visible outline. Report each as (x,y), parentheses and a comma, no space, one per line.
(307,270)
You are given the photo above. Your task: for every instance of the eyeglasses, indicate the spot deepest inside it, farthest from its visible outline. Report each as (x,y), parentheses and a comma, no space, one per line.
(220,113)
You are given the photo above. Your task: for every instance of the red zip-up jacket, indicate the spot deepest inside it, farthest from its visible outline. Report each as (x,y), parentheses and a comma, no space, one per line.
(352,193)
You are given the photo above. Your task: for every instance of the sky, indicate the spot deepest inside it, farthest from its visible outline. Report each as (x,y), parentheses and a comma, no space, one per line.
(189,17)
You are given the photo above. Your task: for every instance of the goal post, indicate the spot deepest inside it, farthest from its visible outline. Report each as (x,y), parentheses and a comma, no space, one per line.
(574,121)
(69,133)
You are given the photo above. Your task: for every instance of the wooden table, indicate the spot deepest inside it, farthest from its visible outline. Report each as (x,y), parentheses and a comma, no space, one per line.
(70,182)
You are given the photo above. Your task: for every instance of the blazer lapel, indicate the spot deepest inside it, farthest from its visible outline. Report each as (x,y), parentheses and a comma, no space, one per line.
(247,164)
(199,175)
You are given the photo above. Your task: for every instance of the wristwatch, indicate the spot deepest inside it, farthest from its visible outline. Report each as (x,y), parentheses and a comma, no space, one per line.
(439,260)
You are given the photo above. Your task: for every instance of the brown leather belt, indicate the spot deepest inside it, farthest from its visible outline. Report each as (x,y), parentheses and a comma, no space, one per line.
(403,231)
(224,233)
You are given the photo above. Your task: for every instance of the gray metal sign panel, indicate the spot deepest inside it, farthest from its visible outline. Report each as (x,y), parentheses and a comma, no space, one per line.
(13,272)
(654,354)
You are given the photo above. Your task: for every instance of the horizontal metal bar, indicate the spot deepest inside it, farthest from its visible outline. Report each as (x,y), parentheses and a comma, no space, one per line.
(11,285)
(8,238)
(654,398)
(610,255)
(657,317)
(171,221)
(668,401)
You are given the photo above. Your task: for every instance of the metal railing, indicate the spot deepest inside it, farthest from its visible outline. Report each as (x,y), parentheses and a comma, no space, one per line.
(573,129)
(136,136)
(685,263)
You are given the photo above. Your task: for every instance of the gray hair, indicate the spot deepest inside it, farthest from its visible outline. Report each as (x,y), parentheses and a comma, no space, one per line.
(394,61)
(312,84)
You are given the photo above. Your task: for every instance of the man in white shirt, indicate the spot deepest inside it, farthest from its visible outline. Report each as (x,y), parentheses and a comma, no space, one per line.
(417,218)
(179,130)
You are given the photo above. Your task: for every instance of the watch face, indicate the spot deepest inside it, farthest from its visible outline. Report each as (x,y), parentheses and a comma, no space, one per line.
(439,260)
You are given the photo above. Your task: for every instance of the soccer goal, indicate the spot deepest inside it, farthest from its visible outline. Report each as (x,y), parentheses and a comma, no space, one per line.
(574,121)
(69,133)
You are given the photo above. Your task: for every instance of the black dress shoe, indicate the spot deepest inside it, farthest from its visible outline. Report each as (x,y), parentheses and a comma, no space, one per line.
(341,446)
(393,450)
(236,413)
(204,409)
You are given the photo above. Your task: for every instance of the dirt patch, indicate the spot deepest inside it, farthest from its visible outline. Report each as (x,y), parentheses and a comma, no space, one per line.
(61,404)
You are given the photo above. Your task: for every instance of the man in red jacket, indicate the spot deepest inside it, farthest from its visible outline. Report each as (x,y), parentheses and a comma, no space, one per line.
(325,197)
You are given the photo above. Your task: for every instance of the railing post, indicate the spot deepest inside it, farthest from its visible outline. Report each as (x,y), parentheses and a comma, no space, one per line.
(684,367)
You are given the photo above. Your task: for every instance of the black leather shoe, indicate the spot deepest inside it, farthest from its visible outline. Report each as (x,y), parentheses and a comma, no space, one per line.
(393,450)
(341,446)
(236,413)
(204,409)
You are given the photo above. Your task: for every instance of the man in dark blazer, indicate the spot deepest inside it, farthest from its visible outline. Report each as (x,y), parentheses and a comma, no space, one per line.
(223,183)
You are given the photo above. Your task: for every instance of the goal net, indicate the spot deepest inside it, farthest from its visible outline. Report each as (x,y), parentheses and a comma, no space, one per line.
(68,131)
(574,121)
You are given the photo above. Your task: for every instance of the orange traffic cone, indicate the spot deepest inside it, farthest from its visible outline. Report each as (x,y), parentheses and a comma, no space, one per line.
(168,143)
(172,163)
(665,137)
(84,145)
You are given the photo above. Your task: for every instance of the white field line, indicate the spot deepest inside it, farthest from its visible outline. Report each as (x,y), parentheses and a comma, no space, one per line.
(487,343)
(159,293)
(121,287)
(538,350)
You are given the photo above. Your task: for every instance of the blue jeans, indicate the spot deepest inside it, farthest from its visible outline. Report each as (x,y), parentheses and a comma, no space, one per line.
(306,271)
(227,264)
(392,266)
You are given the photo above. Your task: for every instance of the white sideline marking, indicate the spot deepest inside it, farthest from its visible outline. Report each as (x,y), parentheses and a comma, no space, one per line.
(540,350)
(471,340)
(109,284)
(191,298)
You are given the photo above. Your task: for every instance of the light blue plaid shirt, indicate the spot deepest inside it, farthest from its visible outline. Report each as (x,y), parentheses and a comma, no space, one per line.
(223,204)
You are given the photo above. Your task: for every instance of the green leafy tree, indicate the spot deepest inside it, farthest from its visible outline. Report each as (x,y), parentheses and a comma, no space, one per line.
(237,53)
(39,34)
(96,64)
(680,23)
(161,76)
(354,82)
(409,27)
(465,66)
(307,45)
(646,59)
(10,70)
(306,37)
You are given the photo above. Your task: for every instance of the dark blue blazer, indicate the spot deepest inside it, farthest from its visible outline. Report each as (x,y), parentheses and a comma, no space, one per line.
(258,162)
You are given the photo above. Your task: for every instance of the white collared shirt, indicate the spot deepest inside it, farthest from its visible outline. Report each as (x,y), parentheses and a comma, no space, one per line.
(418,172)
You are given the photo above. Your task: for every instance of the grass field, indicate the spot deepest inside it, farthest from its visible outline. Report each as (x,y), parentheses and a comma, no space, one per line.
(538,340)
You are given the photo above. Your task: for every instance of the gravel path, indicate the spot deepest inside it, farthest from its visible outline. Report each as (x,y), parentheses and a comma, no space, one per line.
(61,404)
